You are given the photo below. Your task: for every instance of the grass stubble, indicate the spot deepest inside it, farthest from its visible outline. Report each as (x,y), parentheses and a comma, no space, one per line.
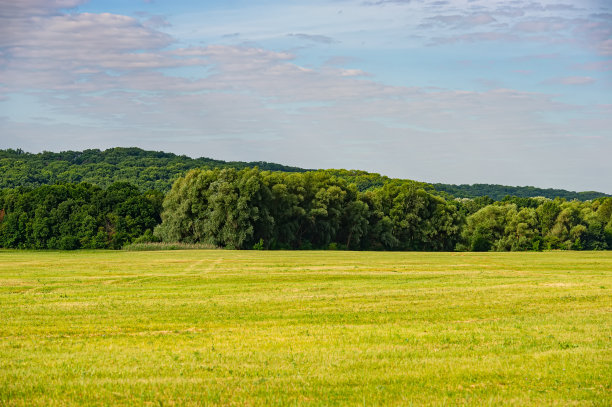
(216,327)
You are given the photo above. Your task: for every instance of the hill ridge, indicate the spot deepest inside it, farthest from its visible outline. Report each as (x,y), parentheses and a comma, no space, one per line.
(150,169)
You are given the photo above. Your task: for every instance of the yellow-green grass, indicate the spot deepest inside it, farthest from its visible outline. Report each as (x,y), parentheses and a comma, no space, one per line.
(305,328)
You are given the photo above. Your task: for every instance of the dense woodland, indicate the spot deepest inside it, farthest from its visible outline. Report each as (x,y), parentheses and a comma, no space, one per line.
(246,208)
(234,206)
(158,170)
(251,208)
(74,216)
(144,169)
(498,192)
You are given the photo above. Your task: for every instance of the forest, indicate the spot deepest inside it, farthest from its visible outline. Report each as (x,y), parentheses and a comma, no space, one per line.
(74,216)
(251,208)
(144,169)
(158,170)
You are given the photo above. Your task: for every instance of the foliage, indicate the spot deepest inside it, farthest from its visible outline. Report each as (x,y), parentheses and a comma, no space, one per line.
(158,170)
(249,208)
(557,224)
(144,169)
(238,209)
(499,192)
(229,204)
(74,216)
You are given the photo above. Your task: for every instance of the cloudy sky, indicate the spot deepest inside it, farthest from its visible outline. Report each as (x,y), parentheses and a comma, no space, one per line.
(458,91)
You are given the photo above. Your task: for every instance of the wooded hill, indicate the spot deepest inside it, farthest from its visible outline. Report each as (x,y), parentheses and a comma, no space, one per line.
(158,170)
(144,169)
(498,192)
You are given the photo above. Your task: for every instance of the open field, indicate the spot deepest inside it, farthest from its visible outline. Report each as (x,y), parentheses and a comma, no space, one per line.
(305,328)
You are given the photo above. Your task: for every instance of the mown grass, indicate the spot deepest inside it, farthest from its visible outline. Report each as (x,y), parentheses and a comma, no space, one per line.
(152,246)
(305,328)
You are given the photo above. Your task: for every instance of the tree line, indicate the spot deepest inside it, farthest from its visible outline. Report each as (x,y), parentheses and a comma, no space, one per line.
(247,208)
(144,169)
(74,216)
(158,170)
(498,192)
(251,208)
(518,224)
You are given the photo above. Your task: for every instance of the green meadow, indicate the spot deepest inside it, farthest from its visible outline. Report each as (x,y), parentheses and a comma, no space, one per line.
(220,327)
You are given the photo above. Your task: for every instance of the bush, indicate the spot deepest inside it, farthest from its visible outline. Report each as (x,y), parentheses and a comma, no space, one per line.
(68,243)
(146,237)
(259,245)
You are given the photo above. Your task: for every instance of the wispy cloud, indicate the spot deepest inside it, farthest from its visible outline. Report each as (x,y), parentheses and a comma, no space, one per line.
(520,20)
(463,21)
(29,8)
(322,39)
(541,25)
(76,41)
(572,80)
(475,37)
(600,66)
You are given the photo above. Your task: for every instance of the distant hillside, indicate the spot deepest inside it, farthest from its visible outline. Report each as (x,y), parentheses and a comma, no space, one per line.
(366,180)
(146,169)
(158,170)
(498,192)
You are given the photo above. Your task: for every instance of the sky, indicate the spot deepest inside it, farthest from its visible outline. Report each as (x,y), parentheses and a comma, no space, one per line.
(458,91)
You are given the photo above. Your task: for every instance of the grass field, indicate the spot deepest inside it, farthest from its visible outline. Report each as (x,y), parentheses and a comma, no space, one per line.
(305,328)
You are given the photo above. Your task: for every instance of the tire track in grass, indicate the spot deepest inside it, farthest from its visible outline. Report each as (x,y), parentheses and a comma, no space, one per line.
(212,266)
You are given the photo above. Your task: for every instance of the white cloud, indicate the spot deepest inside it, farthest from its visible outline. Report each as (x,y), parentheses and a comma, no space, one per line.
(573,80)
(463,21)
(600,66)
(541,25)
(28,8)
(108,79)
(322,39)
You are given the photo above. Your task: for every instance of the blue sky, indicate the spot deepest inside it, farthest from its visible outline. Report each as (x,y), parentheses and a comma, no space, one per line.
(456,91)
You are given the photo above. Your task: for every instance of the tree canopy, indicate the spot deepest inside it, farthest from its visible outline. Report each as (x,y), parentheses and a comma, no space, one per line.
(238,209)
(74,216)
(145,169)
(132,195)
(158,170)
